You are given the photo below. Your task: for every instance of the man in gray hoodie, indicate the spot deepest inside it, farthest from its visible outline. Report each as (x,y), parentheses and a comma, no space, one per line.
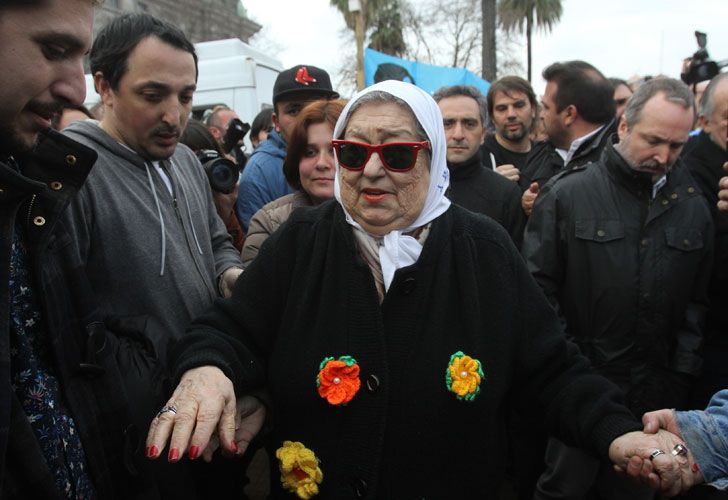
(156,252)
(145,223)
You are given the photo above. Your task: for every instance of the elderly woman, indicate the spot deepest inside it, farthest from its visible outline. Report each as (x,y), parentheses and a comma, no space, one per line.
(308,167)
(391,331)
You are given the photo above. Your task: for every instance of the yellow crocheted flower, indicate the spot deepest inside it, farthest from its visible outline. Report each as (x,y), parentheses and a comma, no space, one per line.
(300,472)
(463,376)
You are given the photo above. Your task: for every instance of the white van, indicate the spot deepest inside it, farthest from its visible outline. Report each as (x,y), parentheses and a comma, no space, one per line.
(231,73)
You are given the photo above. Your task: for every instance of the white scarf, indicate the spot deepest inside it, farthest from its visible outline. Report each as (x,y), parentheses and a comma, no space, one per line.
(400,250)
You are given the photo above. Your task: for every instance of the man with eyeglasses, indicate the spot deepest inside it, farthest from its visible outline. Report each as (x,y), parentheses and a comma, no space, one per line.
(263,180)
(473,183)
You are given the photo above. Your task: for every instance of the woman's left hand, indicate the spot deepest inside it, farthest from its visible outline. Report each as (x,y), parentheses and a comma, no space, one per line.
(202,403)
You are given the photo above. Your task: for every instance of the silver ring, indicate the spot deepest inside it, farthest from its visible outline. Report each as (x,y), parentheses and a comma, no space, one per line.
(656,454)
(165,409)
(680,449)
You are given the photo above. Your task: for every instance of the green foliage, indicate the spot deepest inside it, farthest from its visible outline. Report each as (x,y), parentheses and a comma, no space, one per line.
(514,15)
(382,24)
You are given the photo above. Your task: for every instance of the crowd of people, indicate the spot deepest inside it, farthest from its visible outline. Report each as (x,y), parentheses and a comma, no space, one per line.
(396,296)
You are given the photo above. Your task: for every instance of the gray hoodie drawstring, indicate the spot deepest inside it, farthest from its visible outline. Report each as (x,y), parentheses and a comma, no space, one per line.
(161,219)
(189,215)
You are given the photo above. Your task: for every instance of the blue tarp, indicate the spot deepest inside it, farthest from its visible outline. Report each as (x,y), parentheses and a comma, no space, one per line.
(379,67)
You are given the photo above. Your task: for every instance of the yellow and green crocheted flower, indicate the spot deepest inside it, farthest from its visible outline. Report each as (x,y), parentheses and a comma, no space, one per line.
(338,379)
(300,472)
(463,376)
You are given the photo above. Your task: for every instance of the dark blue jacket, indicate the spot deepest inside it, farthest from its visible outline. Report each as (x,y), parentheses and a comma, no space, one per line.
(262,180)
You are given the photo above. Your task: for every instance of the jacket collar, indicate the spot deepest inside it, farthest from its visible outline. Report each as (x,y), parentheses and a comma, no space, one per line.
(595,142)
(49,176)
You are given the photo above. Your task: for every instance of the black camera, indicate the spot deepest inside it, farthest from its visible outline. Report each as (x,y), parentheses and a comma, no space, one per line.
(221,172)
(700,67)
(235,132)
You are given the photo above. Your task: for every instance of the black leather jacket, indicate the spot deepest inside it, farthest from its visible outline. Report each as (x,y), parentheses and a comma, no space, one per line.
(83,352)
(628,273)
(544,162)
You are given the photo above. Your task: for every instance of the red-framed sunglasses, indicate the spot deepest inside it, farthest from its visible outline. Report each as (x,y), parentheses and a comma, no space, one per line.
(395,156)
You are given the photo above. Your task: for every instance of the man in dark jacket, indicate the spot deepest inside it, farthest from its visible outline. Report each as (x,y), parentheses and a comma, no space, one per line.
(578,116)
(512,108)
(623,250)
(472,184)
(65,429)
(705,155)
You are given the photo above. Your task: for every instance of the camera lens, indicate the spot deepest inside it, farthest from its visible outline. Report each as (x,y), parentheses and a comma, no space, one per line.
(222,177)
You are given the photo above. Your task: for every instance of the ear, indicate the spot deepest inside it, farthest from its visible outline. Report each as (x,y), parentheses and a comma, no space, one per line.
(703,123)
(103,88)
(622,128)
(276,124)
(482,135)
(570,114)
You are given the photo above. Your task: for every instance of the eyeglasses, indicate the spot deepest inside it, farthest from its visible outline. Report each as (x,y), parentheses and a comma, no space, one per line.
(395,156)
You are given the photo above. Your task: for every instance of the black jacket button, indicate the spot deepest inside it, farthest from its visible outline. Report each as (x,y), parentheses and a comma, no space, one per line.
(360,488)
(408,285)
(372,383)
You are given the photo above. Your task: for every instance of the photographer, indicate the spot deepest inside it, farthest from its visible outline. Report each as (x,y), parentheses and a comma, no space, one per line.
(222,172)
(228,131)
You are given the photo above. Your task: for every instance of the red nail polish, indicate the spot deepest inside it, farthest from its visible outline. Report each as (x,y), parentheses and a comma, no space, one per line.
(194,452)
(174,454)
(234,446)
(694,468)
(153,451)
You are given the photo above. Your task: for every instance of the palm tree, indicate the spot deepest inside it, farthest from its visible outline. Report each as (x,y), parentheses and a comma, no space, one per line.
(514,15)
(488,50)
(384,17)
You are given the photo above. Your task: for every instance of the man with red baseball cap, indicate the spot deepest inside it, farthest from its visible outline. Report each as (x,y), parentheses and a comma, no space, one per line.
(263,180)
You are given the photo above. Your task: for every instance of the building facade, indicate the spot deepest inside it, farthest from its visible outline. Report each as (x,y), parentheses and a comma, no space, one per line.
(201,20)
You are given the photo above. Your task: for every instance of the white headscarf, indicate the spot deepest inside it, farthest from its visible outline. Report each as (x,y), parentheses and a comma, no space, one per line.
(400,250)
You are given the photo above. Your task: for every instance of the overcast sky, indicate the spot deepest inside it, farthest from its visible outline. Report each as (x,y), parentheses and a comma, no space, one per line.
(620,37)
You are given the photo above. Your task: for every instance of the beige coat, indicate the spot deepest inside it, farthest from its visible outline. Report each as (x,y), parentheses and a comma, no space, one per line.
(267,220)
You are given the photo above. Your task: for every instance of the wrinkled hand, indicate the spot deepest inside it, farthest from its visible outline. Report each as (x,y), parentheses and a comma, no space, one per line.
(205,402)
(529,198)
(669,474)
(723,193)
(227,281)
(660,419)
(249,418)
(509,172)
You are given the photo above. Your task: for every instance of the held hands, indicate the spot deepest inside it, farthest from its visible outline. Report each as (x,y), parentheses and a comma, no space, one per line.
(227,281)
(529,198)
(509,172)
(657,457)
(203,403)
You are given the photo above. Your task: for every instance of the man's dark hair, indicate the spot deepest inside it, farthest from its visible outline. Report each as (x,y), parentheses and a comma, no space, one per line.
(262,121)
(509,84)
(582,85)
(466,91)
(111,49)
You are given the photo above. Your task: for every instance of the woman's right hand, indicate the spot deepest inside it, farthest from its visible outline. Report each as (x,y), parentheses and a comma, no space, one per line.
(204,402)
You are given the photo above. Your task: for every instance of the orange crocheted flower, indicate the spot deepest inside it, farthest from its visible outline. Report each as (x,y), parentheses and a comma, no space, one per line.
(338,379)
